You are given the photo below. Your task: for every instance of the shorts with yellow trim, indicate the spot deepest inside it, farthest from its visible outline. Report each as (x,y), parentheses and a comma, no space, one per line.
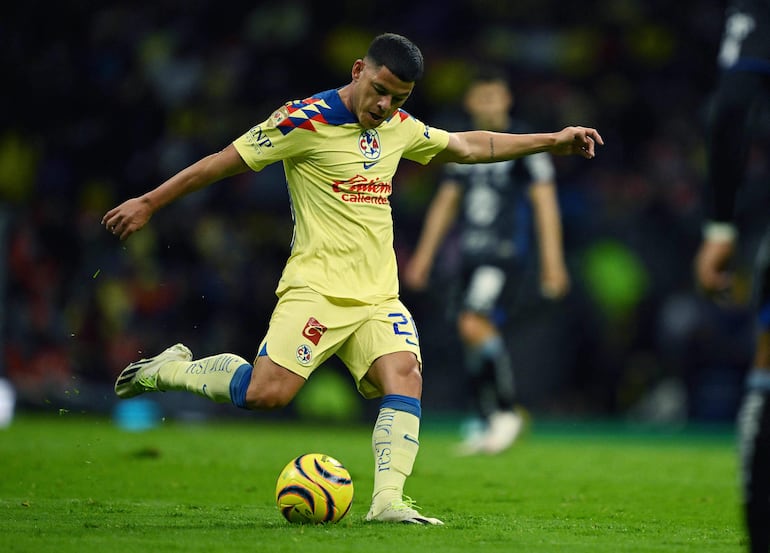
(307,328)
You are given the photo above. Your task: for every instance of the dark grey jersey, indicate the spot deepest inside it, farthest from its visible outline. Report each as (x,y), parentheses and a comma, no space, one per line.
(490,217)
(744,58)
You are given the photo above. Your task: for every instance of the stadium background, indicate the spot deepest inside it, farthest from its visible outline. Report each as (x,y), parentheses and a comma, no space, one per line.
(103,100)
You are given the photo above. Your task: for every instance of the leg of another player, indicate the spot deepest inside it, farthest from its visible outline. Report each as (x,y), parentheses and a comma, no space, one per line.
(490,368)
(474,330)
(754,416)
(395,438)
(754,433)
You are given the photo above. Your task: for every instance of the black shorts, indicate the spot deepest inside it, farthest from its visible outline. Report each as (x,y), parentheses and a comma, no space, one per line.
(490,289)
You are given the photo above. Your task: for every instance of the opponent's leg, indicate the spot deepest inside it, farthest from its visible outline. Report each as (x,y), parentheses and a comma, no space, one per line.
(474,329)
(490,369)
(754,445)
(754,415)
(505,423)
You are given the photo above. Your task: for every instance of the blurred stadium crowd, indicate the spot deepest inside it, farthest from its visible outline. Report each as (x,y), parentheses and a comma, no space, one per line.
(106,99)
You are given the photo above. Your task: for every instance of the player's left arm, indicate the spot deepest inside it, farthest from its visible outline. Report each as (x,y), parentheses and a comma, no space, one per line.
(487,146)
(712,260)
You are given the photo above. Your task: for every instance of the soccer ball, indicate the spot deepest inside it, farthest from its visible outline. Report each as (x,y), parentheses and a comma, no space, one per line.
(314,488)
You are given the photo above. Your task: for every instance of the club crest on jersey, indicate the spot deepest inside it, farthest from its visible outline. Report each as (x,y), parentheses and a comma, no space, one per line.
(313,330)
(278,117)
(304,354)
(369,144)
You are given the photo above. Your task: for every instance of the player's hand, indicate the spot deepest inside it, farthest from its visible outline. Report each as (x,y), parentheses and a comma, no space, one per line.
(554,283)
(712,271)
(127,218)
(577,141)
(416,275)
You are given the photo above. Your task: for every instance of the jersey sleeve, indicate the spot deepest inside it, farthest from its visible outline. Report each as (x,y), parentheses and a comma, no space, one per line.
(269,142)
(423,142)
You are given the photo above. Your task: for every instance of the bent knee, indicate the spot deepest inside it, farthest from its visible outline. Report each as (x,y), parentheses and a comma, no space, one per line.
(406,379)
(474,328)
(260,400)
(268,397)
(271,386)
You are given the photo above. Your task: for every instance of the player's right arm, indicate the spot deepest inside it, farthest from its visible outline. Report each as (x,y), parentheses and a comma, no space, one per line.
(133,214)
(441,214)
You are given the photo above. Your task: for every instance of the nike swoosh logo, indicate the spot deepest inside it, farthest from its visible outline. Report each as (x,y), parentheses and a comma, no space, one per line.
(369,165)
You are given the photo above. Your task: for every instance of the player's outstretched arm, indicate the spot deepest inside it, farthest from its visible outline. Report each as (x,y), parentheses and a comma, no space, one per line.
(133,214)
(577,141)
(487,146)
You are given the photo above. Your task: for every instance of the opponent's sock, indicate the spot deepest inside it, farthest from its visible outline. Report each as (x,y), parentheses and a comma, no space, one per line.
(395,444)
(754,445)
(480,381)
(491,379)
(221,378)
(498,360)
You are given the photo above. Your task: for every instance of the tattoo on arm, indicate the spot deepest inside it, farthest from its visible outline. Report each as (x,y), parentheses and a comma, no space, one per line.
(491,148)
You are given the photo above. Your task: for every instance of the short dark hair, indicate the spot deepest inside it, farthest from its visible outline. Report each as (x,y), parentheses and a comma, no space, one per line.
(490,74)
(398,54)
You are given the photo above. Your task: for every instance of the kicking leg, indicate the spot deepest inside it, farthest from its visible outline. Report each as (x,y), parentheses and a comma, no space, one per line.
(223,378)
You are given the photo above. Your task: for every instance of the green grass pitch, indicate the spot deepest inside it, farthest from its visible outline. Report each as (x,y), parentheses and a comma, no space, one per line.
(76,483)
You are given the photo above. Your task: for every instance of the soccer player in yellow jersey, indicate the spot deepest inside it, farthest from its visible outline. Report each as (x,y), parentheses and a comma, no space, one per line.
(338,294)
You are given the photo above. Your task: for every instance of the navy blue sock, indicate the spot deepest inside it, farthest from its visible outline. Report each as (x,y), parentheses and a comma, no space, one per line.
(239,384)
(402,403)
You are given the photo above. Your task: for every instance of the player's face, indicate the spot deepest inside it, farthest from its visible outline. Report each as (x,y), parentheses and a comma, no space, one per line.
(377,93)
(489,104)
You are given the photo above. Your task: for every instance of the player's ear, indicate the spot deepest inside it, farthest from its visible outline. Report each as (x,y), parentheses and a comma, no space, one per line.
(358,68)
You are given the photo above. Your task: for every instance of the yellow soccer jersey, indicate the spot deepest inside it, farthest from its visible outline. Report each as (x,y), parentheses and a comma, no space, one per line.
(340,178)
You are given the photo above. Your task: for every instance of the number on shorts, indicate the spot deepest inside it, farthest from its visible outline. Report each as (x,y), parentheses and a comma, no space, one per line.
(401,327)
